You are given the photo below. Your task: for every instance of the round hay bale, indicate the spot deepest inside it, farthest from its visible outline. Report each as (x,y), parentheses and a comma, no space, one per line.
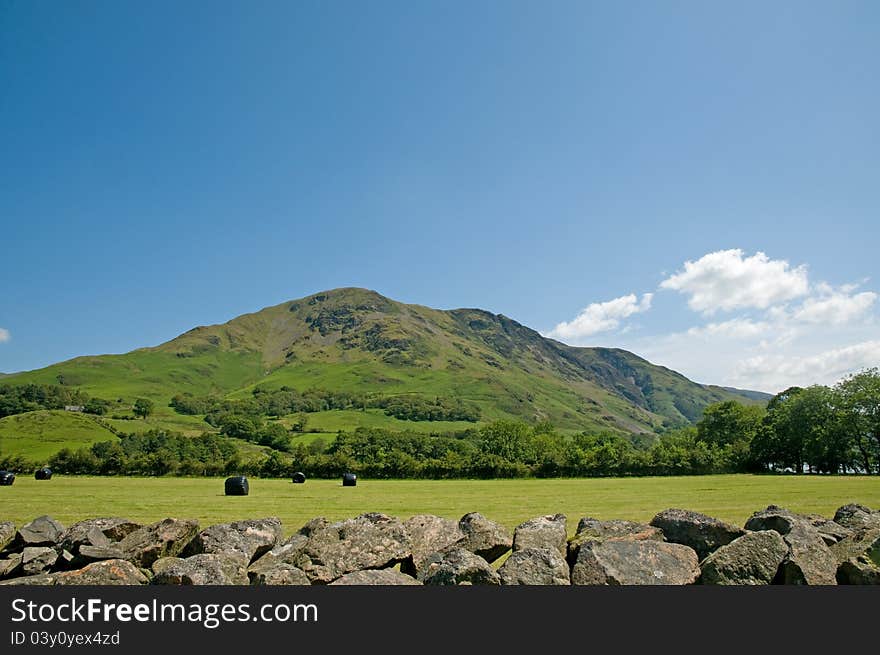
(299,477)
(349,480)
(237,486)
(6,478)
(44,473)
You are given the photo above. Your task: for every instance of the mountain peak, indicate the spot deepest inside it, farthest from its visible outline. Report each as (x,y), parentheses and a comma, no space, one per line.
(356,340)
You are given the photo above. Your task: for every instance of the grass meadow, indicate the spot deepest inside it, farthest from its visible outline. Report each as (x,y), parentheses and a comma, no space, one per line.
(729,497)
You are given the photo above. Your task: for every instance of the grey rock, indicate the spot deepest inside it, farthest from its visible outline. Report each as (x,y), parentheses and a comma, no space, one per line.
(99,532)
(205,569)
(535,566)
(108,572)
(483,537)
(368,541)
(809,560)
(38,559)
(635,562)
(251,538)
(458,566)
(429,534)
(42,531)
(7,534)
(542,532)
(855,516)
(590,529)
(163,563)
(282,574)
(282,555)
(859,557)
(776,518)
(830,531)
(166,538)
(856,544)
(753,559)
(704,534)
(43,580)
(377,578)
(10,566)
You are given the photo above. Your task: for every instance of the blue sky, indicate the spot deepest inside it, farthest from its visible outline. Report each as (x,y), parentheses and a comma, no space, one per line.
(165,165)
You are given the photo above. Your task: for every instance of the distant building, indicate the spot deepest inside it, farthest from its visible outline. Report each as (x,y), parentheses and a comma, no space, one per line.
(73,408)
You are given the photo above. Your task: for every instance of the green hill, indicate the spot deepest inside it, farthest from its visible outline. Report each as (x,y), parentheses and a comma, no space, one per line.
(358,341)
(37,435)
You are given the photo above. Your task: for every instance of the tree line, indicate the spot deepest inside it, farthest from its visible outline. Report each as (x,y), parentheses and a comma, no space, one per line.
(816,429)
(287,400)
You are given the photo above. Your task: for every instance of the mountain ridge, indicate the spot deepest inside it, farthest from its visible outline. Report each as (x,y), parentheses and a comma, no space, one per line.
(358,340)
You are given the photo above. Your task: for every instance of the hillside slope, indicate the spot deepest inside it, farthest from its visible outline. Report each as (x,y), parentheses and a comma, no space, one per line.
(357,340)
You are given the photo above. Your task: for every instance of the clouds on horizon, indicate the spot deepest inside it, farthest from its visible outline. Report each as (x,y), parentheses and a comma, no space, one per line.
(779,329)
(4,335)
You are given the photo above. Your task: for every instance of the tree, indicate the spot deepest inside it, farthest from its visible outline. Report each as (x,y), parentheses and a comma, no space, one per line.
(143,408)
(859,399)
(729,422)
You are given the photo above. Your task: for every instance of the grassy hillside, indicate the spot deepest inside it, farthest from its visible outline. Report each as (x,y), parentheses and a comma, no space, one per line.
(358,341)
(37,435)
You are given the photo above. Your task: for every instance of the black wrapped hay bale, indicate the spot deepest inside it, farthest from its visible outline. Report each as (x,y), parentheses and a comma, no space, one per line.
(299,477)
(349,480)
(44,473)
(237,486)
(6,478)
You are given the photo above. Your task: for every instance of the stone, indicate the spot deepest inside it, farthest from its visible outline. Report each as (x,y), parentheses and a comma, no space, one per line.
(251,538)
(542,532)
(377,578)
(107,572)
(753,559)
(368,541)
(99,532)
(830,531)
(590,529)
(535,566)
(7,534)
(856,544)
(776,518)
(483,537)
(37,559)
(205,569)
(42,531)
(166,538)
(635,562)
(704,534)
(283,574)
(43,580)
(457,566)
(627,530)
(163,563)
(855,516)
(809,560)
(429,534)
(10,566)
(284,554)
(858,557)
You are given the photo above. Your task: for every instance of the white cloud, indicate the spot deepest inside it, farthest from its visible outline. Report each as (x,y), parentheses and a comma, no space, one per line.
(832,307)
(601,317)
(781,329)
(727,280)
(737,328)
(781,371)
(4,335)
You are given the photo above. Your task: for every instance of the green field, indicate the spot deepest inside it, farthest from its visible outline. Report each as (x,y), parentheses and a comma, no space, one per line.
(729,497)
(38,435)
